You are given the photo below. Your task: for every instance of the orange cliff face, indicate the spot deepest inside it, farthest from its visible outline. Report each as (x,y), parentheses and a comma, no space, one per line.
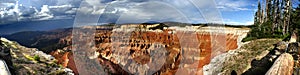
(65,59)
(140,44)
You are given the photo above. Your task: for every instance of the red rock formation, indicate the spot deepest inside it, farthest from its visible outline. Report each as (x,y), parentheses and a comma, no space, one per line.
(140,41)
(71,63)
(65,59)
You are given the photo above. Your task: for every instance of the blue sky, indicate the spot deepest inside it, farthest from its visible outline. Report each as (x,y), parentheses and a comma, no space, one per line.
(236,12)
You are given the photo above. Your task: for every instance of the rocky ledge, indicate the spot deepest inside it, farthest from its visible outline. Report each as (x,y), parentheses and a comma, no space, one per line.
(239,61)
(29,61)
(258,57)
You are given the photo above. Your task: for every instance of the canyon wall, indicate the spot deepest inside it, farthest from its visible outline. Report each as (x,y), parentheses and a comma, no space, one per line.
(172,50)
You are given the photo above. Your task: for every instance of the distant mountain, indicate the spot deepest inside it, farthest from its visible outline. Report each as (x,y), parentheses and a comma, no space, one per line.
(43,40)
(35,26)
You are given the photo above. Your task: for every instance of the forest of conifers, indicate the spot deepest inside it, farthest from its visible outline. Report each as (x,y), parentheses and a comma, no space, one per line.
(275,19)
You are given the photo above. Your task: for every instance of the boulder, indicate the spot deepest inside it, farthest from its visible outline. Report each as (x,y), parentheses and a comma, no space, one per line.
(282,66)
(293,48)
(281,46)
(293,37)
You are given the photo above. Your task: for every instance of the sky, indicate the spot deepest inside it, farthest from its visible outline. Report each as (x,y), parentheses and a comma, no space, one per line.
(234,12)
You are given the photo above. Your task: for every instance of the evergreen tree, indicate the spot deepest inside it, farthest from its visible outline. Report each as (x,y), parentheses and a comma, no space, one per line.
(276,20)
(287,6)
(268,10)
(295,19)
(259,14)
(276,13)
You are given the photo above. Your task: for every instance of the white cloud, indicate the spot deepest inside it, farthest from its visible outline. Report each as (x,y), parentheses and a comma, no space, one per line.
(13,12)
(233,5)
(193,11)
(231,22)
(138,9)
(7,1)
(93,7)
(63,10)
(45,9)
(6,5)
(141,9)
(149,11)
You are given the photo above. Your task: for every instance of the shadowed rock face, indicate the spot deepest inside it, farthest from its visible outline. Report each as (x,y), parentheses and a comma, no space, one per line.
(186,51)
(5,55)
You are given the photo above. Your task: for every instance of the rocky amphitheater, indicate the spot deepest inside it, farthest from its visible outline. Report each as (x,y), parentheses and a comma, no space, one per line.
(136,49)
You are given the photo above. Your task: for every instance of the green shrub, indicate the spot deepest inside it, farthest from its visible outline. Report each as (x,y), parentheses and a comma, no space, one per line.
(36,57)
(248,39)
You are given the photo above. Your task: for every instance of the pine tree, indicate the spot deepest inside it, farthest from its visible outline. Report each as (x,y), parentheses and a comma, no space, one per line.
(269,10)
(295,19)
(256,18)
(259,13)
(279,19)
(275,15)
(286,15)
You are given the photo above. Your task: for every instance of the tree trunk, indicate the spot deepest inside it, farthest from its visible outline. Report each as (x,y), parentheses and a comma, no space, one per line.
(287,15)
(275,15)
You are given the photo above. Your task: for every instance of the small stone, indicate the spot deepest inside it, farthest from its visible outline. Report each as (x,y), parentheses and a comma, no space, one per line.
(277,52)
(271,59)
(273,56)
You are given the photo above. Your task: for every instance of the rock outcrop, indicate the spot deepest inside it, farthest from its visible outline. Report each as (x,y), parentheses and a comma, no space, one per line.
(239,61)
(294,37)
(284,65)
(29,61)
(6,57)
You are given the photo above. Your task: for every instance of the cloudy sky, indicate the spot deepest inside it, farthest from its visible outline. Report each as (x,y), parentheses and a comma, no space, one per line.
(235,12)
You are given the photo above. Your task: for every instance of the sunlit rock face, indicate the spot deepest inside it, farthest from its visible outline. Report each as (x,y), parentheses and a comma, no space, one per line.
(282,66)
(29,61)
(249,59)
(173,50)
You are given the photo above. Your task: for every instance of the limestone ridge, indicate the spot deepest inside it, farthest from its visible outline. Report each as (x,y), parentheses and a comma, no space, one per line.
(5,55)
(28,61)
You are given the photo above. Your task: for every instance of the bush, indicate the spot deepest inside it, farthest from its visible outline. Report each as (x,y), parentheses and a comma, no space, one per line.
(36,58)
(248,39)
